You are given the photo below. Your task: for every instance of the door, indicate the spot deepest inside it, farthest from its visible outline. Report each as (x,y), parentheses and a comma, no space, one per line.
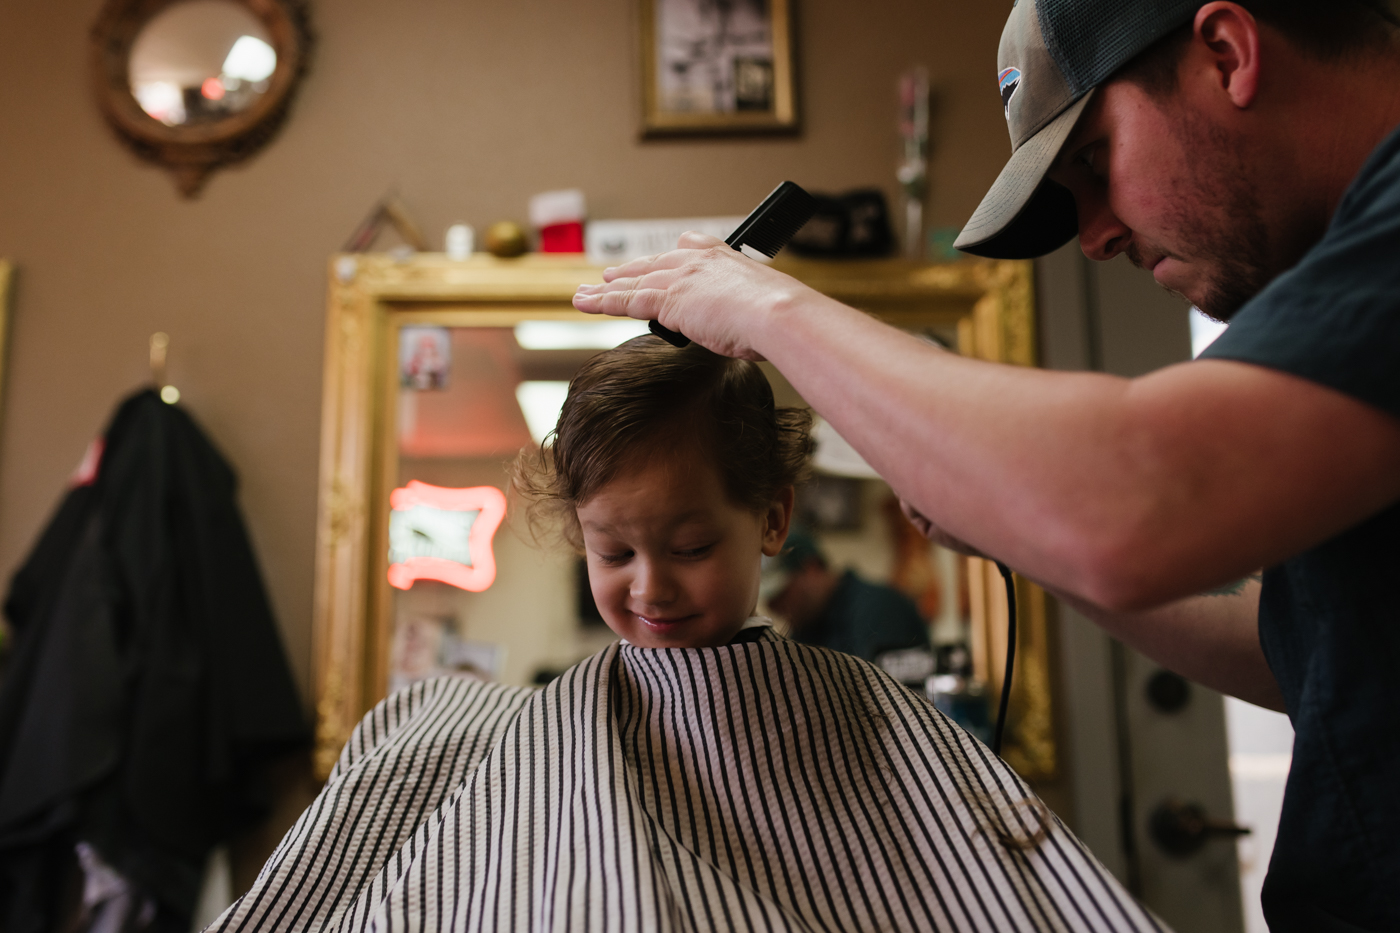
(1148,750)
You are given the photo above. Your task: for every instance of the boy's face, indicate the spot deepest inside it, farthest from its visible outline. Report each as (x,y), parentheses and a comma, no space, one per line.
(671,561)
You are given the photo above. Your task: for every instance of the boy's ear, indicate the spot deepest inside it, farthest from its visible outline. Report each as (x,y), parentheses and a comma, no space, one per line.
(777,520)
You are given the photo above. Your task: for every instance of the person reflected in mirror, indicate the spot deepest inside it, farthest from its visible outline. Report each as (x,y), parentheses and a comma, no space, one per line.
(838,609)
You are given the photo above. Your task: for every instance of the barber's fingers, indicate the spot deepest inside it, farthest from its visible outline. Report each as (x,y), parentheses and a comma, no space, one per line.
(643,283)
(935,534)
(916,518)
(632,296)
(644,304)
(692,247)
(636,268)
(709,294)
(656,277)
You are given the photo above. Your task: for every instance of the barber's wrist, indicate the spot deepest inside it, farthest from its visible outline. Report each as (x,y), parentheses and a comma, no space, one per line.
(781,312)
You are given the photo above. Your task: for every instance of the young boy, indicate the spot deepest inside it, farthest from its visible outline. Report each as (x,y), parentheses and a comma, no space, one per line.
(674,472)
(703,773)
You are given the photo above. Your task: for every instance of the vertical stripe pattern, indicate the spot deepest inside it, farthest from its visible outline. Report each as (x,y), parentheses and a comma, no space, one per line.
(764,786)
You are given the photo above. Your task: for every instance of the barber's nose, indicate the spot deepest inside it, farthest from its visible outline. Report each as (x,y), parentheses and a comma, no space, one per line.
(1101,234)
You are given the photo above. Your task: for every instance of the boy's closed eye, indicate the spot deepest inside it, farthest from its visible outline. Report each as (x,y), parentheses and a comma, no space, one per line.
(683,553)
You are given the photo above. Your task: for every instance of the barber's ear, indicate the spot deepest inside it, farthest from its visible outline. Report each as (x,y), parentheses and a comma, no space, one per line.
(777,521)
(1228,34)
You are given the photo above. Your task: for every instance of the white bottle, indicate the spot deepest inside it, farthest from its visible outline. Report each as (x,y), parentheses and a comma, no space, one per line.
(461,241)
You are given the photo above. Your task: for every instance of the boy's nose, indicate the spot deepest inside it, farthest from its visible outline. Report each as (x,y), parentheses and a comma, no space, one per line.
(652,586)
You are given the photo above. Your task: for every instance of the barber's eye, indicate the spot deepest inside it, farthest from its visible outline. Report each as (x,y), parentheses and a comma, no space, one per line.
(1088,158)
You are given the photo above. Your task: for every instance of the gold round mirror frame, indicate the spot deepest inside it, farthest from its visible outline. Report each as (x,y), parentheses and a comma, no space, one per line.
(191,152)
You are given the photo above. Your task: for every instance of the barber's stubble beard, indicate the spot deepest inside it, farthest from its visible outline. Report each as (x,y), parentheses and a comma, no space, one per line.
(1217,219)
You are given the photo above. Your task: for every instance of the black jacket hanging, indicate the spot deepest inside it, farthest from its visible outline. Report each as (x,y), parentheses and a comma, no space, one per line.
(147,685)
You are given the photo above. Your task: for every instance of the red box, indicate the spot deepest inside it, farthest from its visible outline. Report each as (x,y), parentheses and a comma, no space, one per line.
(562,238)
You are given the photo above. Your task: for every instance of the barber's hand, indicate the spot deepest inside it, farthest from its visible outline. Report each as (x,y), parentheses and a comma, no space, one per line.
(706,290)
(935,534)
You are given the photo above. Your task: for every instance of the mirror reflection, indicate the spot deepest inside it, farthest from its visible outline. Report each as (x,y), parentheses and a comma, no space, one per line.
(201,61)
(473,593)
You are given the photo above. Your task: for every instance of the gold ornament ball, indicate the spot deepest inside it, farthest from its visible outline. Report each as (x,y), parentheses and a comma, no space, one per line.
(505,239)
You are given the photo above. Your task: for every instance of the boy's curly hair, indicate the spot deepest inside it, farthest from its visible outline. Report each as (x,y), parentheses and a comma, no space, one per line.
(646,395)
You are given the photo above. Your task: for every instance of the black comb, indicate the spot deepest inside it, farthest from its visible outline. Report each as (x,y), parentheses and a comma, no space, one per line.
(767,230)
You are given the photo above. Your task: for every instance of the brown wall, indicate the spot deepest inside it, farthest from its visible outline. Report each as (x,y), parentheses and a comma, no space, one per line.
(468,108)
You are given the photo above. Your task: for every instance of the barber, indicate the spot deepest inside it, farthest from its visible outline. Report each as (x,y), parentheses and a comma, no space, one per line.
(1245,154)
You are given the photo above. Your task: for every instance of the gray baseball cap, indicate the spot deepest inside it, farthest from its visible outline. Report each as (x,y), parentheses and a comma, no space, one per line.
(1053,54)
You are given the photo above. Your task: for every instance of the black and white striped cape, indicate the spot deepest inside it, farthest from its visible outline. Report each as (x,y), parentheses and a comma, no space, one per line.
(764,785)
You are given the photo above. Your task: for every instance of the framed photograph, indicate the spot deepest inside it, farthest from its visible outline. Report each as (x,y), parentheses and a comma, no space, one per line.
(425,358)
(717,67)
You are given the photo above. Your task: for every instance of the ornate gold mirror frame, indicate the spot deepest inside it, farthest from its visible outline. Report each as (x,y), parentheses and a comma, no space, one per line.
(371,296)
(191,152)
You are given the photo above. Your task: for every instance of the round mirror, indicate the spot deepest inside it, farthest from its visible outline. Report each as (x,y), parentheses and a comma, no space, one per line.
(196,84)
(201,60)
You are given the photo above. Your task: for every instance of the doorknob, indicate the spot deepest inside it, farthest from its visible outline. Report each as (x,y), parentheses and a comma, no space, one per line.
(1168,692)
(1181,829)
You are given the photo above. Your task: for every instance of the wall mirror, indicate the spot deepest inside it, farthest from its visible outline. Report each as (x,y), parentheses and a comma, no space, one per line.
(193,85)
(438,372)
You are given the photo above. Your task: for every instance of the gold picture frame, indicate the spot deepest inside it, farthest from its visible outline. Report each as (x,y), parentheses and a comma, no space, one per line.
(704,75)
(989,303)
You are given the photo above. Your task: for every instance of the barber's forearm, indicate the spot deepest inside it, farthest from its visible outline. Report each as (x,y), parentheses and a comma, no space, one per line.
(1002,457)
(1210,639)
(1126,493)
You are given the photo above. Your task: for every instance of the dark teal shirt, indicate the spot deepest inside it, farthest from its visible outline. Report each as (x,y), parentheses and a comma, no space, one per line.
(1329,618)
(865,619)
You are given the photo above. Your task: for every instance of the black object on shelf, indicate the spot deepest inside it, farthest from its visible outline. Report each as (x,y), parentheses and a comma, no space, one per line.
(855,225)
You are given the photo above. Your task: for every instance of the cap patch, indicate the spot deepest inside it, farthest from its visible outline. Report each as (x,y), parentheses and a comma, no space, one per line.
(1008,81)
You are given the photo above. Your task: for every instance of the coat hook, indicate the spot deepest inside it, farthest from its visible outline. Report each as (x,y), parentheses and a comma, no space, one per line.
(160,342)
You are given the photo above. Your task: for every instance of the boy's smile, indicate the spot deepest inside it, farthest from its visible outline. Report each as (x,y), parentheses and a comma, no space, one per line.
(672,562)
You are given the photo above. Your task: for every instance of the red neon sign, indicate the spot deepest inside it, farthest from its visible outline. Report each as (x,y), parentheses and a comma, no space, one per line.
(480,509)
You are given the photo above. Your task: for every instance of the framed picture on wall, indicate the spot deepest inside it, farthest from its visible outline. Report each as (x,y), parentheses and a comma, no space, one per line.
(717,67)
